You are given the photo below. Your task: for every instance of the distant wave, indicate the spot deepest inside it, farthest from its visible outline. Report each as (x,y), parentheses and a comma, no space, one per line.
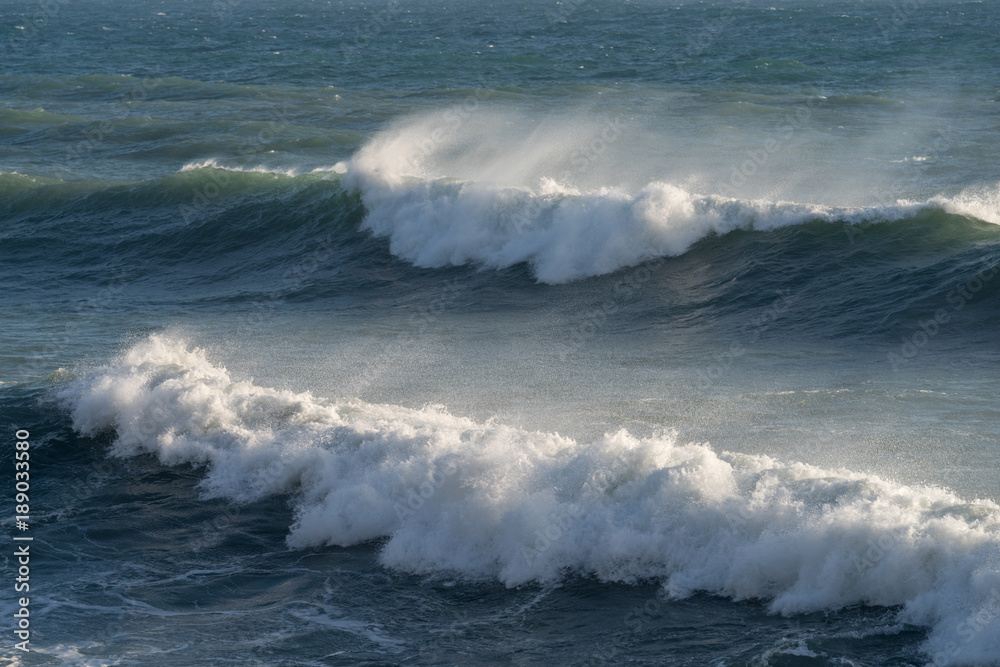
(434,218)
(488,501)
(564,233)
(867,270)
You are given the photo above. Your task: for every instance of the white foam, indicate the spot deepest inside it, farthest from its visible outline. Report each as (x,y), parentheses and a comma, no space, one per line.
(978,202)
(483,500)
(448,193)
(212,163)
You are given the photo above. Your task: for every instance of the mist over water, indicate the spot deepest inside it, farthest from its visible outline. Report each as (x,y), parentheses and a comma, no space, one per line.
(498,190)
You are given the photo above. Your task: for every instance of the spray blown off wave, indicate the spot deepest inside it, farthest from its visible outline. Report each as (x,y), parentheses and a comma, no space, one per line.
(450,495)
(446,192)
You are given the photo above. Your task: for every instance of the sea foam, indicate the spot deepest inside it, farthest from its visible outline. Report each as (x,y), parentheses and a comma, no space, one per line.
(446,193)
(449,496)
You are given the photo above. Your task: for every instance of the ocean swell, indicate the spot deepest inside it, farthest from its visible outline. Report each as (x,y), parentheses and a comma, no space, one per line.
(449,495)
(451,199)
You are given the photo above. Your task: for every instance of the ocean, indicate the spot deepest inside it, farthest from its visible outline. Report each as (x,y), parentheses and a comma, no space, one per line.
(436,332)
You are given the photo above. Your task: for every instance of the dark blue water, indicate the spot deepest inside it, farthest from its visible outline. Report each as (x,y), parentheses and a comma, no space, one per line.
(588,332)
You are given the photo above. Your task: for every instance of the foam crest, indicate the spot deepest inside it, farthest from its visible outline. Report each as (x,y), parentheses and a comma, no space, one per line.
(488,501)
(463,196)
(979,202)
(258,169)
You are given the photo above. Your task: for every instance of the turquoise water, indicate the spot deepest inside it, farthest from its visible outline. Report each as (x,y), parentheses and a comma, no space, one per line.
(553,333)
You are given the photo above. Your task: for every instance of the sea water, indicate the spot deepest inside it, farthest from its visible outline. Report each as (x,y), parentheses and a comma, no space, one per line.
(592,332)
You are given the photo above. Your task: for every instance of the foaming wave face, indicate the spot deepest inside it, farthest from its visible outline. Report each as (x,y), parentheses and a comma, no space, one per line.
(495,190)
(450,495)
(982,202)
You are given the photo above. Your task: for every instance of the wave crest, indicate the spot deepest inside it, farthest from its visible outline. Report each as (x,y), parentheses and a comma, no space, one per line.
(490,501)
(456,198)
